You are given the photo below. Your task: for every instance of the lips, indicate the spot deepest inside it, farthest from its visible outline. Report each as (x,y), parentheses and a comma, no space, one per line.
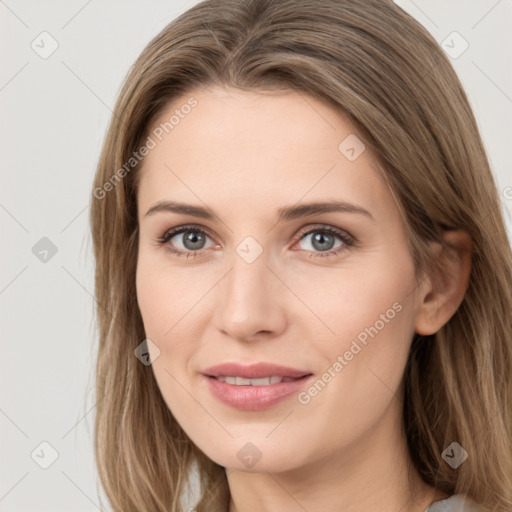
(254,387)
(254,371)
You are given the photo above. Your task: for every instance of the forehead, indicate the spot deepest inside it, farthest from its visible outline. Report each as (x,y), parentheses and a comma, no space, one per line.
(252,119)
(250,147)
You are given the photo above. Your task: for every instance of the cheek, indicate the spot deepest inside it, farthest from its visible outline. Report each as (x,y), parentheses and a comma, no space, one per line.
(165,295)
(364,364)
(171,303)
(370,315)
(166,312)
(365,301)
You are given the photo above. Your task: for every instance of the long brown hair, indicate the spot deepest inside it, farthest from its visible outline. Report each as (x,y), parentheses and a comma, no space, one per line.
(377,64)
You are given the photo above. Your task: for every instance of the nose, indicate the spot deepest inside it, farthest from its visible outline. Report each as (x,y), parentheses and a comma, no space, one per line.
(250,301)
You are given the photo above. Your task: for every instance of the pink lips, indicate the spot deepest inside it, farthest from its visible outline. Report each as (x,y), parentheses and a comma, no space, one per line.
(254,398)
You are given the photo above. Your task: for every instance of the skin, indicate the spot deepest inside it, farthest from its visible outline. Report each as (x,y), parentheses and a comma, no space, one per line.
(244,155)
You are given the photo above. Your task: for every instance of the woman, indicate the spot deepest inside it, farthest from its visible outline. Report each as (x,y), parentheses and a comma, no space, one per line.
(303,275)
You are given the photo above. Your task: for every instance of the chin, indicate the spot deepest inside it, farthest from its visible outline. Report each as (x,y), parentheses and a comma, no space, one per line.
(256,456)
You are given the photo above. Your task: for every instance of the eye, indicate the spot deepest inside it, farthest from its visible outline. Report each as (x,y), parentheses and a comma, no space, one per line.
(192,239)
(322,241)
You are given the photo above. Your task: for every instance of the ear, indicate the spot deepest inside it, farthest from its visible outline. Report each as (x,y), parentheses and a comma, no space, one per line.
(443,290)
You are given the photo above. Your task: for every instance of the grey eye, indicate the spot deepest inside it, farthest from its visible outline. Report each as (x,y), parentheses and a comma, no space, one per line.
(320,241)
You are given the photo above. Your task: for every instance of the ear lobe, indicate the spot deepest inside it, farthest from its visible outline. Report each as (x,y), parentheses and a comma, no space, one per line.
(446,286)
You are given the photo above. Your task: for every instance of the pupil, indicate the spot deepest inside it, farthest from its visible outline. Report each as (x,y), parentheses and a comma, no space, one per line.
(193,240)
(320,238)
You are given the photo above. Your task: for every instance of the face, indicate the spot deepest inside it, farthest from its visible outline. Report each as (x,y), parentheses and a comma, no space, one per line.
(327,293)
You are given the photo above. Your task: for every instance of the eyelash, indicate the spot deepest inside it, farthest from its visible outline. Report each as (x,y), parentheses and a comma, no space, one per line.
(348,240)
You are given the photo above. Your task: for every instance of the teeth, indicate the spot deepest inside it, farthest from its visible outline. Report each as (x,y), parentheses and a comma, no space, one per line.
(265,381)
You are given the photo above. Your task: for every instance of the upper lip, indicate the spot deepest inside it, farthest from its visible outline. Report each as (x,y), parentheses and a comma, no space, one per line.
(254,371)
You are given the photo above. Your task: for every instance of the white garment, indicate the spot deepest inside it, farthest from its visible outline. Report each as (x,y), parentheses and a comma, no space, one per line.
(455,503)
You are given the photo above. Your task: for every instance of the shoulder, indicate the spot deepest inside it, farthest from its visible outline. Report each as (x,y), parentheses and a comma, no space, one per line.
(455,503)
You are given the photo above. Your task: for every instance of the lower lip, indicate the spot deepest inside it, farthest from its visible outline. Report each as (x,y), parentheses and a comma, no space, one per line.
(254,398)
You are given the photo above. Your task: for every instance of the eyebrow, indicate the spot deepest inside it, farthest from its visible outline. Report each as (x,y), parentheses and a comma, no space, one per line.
(284,214)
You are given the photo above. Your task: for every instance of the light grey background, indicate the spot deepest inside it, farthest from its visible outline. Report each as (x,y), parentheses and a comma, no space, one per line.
(54,113)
